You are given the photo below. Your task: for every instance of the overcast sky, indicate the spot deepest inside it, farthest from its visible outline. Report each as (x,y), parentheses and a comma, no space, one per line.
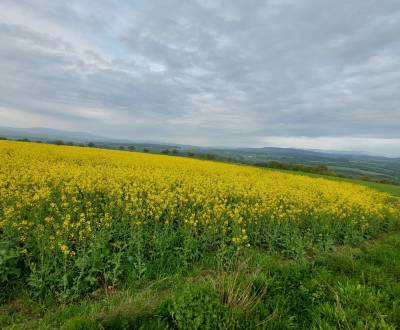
(300,73)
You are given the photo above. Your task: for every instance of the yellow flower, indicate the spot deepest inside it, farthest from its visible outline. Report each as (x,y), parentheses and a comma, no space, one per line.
(70,194)
(64,249)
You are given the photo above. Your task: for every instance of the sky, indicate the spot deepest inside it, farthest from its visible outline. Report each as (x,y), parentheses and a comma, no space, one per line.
(227,73)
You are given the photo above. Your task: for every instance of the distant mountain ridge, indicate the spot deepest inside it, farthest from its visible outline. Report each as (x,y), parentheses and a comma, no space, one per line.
(313,152)
(43,133)
(345,152)
(49,134)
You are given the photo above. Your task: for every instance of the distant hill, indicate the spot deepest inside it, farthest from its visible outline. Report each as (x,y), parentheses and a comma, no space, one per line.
(313,152)
(345,152)
(48,134)
(276,150)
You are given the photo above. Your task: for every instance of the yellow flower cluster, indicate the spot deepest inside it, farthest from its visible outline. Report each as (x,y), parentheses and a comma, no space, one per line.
(63,195)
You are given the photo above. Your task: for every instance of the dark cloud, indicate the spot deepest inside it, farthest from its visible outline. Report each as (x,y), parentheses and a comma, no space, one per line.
(208,72)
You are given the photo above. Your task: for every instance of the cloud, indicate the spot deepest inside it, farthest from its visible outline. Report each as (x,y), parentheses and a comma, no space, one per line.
(207,72)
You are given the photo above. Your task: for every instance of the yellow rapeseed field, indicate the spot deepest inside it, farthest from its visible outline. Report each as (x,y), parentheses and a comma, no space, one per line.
(58,201)
(51,186)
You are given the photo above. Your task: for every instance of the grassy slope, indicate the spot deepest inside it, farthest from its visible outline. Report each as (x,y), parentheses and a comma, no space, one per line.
(349,288)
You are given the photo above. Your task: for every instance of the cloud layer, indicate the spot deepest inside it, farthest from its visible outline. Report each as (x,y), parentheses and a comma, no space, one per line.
(220,73)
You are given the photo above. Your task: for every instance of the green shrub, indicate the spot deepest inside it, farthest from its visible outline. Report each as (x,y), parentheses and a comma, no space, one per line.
(197,307)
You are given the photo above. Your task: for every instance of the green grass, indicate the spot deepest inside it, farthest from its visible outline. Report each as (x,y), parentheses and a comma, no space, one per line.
(350,288)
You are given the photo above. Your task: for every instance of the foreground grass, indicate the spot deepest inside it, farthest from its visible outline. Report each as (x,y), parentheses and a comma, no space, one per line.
(350,288)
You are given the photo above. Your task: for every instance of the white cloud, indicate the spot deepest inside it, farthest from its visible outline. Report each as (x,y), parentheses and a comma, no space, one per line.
(216,72)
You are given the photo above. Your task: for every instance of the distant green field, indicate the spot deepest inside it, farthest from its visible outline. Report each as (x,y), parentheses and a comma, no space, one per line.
(350,170)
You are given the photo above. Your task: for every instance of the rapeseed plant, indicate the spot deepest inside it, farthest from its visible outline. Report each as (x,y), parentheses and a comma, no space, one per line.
(108,214)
